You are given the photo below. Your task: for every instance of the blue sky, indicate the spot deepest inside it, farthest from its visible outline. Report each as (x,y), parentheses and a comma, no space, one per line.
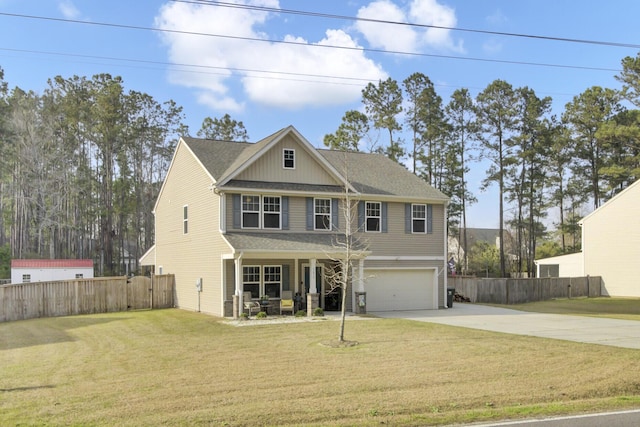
(297,83)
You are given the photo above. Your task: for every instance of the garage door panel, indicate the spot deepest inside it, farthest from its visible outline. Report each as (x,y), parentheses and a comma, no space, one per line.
(389,290)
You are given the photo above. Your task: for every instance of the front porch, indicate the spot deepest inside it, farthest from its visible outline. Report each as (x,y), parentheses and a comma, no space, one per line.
(270,277)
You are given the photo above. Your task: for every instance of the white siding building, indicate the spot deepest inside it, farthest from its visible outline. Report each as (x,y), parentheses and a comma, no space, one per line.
(46,270)
(611,243)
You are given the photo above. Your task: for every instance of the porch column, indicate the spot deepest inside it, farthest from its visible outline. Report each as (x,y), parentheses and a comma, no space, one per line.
(237,296)
(360,294)
(313,289)
(313,299)
(361,275)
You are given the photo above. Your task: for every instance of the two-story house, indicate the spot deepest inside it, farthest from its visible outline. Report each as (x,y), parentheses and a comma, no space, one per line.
(264,218)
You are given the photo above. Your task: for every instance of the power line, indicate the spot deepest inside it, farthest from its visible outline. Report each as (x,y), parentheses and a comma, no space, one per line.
(295,43)
(197,66)
(382,21)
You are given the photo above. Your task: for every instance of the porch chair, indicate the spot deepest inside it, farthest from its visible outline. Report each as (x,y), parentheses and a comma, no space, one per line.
(249,305)
(286,302)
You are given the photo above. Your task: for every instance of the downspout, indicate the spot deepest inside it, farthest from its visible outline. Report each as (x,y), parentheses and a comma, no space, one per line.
(446,253)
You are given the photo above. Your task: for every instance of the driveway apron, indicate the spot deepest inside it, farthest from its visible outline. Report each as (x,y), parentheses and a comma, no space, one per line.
(592,330)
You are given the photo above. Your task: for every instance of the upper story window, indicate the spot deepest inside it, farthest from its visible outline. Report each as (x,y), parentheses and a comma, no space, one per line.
(185,219)
(419,218)
(271,212)
(372,216)
(250,211)
(289,158)
(322,214)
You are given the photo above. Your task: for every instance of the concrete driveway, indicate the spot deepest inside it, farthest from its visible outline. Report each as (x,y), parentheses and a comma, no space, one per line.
(612,332)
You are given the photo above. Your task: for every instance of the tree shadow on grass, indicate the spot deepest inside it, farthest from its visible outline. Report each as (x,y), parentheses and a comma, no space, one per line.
(53,330)
(27,388)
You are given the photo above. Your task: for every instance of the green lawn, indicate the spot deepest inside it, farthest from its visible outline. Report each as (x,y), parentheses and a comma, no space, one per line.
(172,367)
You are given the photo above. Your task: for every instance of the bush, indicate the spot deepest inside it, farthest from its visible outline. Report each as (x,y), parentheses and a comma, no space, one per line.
(301,313)
(244,316)
(261,315)
(318,311)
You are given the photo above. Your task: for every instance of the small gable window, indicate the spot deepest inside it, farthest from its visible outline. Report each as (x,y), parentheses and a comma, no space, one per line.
(250,211)
(373,214)
(185,219)
(289,158)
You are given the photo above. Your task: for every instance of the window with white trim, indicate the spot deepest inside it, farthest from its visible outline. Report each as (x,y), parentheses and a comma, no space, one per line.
(185,219)
(322,214)
(271,212)
(289,158)
(250,211)
(373,216)
(79,275)
(251,280)
(419,218)
(272,280)
(26,278)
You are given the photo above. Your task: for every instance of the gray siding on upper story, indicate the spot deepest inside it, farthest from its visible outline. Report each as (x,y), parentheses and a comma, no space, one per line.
(394,242)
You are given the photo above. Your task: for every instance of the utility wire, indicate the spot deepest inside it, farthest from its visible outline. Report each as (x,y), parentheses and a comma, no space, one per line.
(295,43)
(269,74)
(382,21)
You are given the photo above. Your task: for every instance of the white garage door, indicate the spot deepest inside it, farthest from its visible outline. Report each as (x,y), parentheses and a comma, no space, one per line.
(389,290)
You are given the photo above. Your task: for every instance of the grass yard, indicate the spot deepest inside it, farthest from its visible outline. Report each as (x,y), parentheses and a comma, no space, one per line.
(173,367)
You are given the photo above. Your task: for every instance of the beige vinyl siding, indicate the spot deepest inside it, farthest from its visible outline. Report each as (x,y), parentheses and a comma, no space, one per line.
(196,254)
(269,167)
(611,243)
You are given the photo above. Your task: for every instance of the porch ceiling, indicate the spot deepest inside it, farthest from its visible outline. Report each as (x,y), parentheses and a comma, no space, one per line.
(298,244)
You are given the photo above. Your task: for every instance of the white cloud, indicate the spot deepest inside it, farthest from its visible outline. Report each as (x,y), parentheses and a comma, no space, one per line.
(68,9)
(399,38)
(497,18)
(405,38)
(229,86)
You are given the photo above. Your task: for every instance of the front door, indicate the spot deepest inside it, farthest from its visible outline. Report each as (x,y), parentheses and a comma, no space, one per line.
(328,302)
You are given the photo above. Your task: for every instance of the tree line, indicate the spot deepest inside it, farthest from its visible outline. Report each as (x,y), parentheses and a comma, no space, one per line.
(82,163)
(537,160)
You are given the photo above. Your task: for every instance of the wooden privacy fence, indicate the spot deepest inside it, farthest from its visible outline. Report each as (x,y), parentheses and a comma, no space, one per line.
(519,291)
(85,296)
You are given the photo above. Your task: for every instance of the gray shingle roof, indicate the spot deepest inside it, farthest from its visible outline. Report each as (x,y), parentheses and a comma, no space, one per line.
(376,174)
(284,242)
(369,174)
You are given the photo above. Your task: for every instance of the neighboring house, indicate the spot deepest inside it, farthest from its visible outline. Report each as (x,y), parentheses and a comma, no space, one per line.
(569,265)
(611,243)
(263,218)
(610,246)
(46,270)
(474,235)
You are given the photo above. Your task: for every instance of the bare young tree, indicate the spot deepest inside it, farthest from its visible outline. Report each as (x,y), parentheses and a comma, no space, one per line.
(348,246)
